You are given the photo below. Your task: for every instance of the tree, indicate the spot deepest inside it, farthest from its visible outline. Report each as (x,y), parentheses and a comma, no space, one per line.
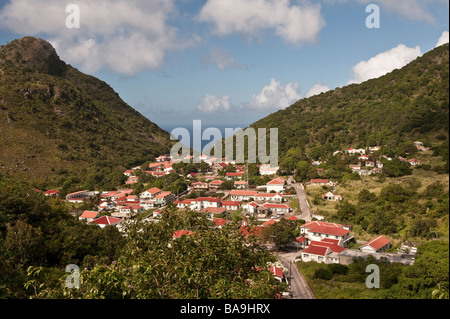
(281,233)
(303,171)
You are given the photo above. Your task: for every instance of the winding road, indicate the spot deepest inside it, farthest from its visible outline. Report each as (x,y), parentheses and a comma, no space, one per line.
(298,286)
(305,211)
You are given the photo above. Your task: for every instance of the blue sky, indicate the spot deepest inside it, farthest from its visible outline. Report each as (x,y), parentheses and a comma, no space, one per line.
(228,62)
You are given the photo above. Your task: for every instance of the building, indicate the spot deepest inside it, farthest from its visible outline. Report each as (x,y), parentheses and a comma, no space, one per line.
(268,170)
(376,245)
(324,251)
(235,175)
(150,193)
(240,185)
(277,208)
(413,162)
(318,230)
(51,193)
(269,197)
(215,184)
(276,185)
(200,186)
(88,216)
(238,195)
(332,197)
(164,198)
(107,221)
(318,181)
(78,197)
(201,203)
(214,212)
(359,151)
(231,205)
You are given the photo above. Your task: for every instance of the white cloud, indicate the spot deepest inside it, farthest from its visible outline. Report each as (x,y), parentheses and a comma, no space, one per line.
(317,88)
(384,63)
(125,36)
(294,23)
(443,39)
(222,60)
(274,96)
(212,103)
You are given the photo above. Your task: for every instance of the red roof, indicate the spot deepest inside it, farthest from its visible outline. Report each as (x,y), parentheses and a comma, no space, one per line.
(243,193)
(89,214)
(218,182)
(107,220)
(333,247)
(179,233)
(377,243)
(52,191)
(219,221)
(230,203)
(300,239)
(235,174)
(292,218)
(268,205)
(214,210)
(269,222)
(276,271)
(250,231)
(319,181)
(153,190)
(329,230)
(316,250)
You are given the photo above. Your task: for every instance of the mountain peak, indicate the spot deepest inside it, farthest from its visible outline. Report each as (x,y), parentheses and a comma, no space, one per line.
(32,53)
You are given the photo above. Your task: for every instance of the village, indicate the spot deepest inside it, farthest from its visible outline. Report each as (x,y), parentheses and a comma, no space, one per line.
(280,198)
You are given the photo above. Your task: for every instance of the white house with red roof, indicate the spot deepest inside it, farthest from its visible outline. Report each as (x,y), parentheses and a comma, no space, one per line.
(413,162)
(239,195)
(240,184)
(277,208)
(215,184)
(269,197)
(214,211)
(266,169)
(376,245)
(276,185)
(231,205)
(107,221)
(51,193)
(331,197)
(318,230)
(164,198)
(205,202)
(88,216)
(150,193)
(200,186)
(324,251)
(233,175)
(353,151)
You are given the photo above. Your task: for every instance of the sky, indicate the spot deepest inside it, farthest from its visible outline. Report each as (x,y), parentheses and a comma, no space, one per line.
(228,63)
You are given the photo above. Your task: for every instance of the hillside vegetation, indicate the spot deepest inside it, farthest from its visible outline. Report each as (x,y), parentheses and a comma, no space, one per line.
(58,125)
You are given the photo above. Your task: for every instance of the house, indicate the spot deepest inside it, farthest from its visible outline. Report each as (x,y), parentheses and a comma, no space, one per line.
(231,205)
(277,185)
(147,204)
(214,211)
(164,198)
(51,193)
(184,203)
(355,168)
(322,252)
(418,144)
(88,216)
(132,180)
(364,172)
(238,195)
(359,151)
(277,273)
(374,149)
(128,211)
(413,162)
(78,197)
(376,170)
(200,186)
(129,173)
(251,207)
(150,193)
(269,197)
(370,164)
(163,158)
(363,157)
(215,184)
(201,203)
(376,245)
(231,175)
(268,170)
(321,182)
(240,185)
(318,230)
(107,221)
(331,197)
(278,208)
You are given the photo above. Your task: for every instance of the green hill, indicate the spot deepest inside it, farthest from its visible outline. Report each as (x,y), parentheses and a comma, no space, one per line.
(394,110)
(58,124)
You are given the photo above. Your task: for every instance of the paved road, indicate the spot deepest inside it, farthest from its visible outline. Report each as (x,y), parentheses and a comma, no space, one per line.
(299,286)
(302,202)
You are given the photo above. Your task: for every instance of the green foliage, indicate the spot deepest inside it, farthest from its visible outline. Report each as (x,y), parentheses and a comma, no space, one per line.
(397,168)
